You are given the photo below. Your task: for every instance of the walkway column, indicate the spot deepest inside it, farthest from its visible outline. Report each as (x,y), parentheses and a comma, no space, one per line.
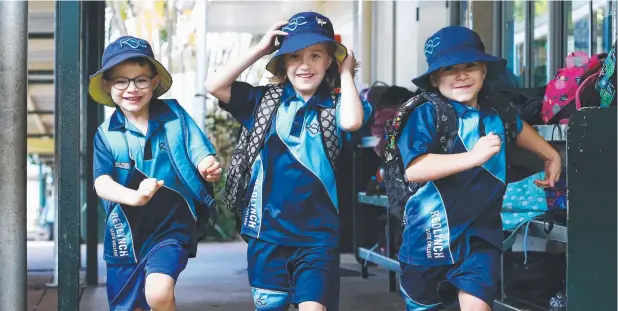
(13,170)
(67,81)
(93,39)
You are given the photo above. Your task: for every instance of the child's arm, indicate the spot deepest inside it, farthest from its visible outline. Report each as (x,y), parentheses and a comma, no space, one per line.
(110,190)
(432,166)
(201,151)
(418,144)
(220,84)
(529,139)
(351,117)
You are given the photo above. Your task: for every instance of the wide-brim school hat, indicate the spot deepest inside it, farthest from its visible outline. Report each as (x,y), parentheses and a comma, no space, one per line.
(304,30)
(454,45)
(124,48)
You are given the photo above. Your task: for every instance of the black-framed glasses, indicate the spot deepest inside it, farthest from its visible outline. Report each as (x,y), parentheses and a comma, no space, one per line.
(122,84)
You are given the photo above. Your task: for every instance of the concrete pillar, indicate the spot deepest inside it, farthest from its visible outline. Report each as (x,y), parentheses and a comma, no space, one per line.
(13,171)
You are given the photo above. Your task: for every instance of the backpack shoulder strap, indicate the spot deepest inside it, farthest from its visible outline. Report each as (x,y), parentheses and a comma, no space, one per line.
(262,119)
(446,120)
(248,147)
(505,108)
(328,125)
(446,125)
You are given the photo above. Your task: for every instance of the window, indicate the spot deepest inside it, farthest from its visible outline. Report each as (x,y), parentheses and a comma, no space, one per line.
(578,25)
(465,14)
(602,25)
(514,37)
(538,57)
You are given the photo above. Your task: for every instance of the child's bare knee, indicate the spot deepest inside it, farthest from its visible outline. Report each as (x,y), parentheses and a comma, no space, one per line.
(311,306)
(159,291)
(468,302)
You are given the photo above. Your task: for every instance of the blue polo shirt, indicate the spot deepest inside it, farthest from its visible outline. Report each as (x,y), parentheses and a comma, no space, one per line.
(292,194)
(443,214)
(165,218)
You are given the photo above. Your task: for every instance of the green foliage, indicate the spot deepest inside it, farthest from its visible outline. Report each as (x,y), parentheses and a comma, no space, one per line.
(222,130)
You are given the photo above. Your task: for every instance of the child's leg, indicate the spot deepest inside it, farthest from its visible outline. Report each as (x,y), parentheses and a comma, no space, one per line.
(311,306)
(268,275)
(419,287)
(125,284)
(159,292)
(474,283)
(468,302)
(162,269)
(315,279)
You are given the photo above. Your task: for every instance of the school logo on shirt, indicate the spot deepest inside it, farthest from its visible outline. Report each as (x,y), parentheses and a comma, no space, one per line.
(313,128)
(437,238)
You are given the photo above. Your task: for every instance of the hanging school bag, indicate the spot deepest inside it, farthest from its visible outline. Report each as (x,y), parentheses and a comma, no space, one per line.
(605,83)
(559,101)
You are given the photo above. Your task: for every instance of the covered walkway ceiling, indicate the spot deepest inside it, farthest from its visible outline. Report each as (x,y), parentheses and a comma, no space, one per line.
(223,16)
(40,98)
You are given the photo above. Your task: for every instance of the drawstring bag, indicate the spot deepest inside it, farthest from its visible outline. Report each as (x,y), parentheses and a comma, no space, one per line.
(523,202)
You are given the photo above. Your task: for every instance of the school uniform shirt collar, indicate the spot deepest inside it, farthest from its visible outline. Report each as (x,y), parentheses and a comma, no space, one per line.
(321,97)
(159,114)
(462,109)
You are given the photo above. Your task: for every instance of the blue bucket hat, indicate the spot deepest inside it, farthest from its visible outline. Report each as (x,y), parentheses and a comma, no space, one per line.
(306,29)
(454,45)
(124,48)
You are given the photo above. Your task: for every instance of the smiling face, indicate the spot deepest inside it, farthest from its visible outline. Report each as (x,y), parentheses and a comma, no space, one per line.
(306,68)
(131,85)
(461,83)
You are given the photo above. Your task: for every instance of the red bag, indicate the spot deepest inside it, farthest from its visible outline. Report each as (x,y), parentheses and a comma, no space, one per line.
(560,94)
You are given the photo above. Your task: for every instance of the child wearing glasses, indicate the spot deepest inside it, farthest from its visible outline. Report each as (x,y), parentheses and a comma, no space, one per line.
(152,169)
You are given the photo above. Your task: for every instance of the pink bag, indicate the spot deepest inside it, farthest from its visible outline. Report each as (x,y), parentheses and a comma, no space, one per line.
(561,92)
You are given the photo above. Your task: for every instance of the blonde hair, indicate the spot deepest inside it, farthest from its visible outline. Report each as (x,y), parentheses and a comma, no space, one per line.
(331,78)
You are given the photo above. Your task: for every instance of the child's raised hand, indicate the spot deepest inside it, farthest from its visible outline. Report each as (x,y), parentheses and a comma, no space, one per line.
(210,169)
(349,64)
(268,43)
(147,189)
(486,147)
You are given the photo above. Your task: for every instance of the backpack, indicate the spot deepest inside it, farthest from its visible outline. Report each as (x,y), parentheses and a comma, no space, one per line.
(605,84)
(250,143)
(528,102)
(559,101)
(398,189)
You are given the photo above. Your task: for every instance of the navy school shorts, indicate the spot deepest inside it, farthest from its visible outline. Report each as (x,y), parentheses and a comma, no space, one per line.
(126,282)
(284,275)
(434,288)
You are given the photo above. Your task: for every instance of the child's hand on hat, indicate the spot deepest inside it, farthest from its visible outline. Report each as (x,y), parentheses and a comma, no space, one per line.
(485,148)
(268,44)
(210,169)
(349,65)
(147,189)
